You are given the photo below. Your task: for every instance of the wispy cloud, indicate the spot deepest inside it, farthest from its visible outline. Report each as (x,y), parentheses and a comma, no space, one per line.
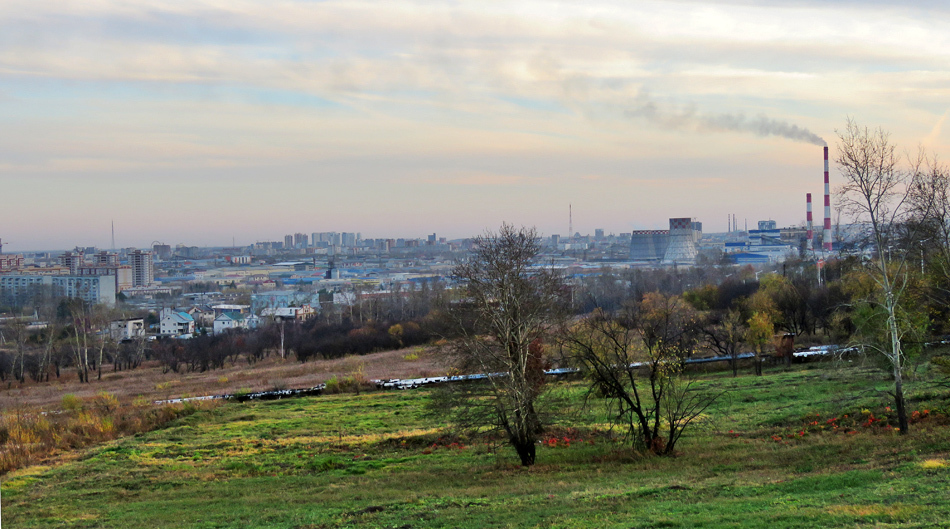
(105,88)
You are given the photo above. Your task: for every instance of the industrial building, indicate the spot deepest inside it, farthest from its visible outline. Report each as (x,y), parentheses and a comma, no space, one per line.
(676,245)
(649,245)
(763,245)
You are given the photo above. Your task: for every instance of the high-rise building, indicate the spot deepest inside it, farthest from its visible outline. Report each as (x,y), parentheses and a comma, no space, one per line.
(162,251)
(300,240)
(10,262)
(141,263)
(72,260)
(104,258)
(599,234)
(121,273)
(288,242)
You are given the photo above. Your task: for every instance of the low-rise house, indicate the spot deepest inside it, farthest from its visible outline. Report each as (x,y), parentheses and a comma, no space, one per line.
(127,329)
(202,314)
(235,320)
(303,313)
(176,323)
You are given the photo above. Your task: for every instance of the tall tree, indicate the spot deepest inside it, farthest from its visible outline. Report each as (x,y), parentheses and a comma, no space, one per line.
(509,305)
(81,331)
(876,191)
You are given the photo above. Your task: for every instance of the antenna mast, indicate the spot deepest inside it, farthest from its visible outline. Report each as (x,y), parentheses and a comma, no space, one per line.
(113,234)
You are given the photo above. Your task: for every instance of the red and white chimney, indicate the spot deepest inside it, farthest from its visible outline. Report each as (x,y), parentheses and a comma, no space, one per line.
(810,235)
(826,236)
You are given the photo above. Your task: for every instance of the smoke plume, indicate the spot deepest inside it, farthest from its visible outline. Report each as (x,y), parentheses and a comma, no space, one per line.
(689,119)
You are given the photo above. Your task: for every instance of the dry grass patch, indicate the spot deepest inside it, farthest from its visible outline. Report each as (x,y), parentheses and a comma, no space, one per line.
(895,510)
(28,437)
(149,382)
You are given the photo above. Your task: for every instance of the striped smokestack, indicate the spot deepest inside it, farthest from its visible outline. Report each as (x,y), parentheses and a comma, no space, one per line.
(826,236)
(810,235)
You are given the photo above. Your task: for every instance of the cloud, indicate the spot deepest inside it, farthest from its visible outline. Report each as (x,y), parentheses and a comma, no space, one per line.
(479,179)
(529,97)
(933,138)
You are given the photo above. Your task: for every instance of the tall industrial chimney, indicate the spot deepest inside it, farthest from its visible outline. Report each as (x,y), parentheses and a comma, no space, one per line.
(810,234)
(826,236)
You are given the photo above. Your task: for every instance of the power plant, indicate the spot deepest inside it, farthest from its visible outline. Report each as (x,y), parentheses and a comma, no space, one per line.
(810,233)
(676,245)
(679,244)
(826,236)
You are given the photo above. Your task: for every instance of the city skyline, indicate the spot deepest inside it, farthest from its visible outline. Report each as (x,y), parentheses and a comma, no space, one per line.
(197,122)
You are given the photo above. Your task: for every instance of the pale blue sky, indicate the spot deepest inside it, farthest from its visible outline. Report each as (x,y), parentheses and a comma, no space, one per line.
(197,121)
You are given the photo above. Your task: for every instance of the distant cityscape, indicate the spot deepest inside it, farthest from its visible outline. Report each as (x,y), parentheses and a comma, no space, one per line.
(298,270)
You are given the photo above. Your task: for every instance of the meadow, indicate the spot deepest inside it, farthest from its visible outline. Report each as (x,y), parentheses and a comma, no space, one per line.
(810,447)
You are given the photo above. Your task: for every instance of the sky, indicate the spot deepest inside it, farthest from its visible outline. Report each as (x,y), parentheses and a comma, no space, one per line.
(200,122)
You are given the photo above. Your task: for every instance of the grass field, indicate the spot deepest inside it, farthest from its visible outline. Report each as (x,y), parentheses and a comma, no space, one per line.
(768,455)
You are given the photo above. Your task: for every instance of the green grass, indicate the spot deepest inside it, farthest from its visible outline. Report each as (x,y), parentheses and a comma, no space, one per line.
(369,461)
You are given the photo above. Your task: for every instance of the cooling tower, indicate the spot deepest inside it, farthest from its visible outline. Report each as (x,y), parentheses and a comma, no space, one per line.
(682,245)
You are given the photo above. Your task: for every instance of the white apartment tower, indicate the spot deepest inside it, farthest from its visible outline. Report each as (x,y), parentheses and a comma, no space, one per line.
(142,273)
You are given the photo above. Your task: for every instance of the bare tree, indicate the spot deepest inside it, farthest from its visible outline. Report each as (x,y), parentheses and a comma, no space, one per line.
(101,318)
(47,309)
(726,337)
(640,378)
(930,210)
(877,191)
(81,329)
(509,305)
(16,332)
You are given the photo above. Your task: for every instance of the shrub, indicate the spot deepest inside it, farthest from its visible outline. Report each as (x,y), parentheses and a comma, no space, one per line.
(71,402)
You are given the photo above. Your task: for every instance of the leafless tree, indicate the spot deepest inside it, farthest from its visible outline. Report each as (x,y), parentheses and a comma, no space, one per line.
(46,308)
(15,331)
(726,337)
(638,373)
(930,210)
(102,317)
(81,330)
(508,309)
(877,190)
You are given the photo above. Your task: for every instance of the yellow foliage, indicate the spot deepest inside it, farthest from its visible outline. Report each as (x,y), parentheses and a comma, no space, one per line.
(71,402)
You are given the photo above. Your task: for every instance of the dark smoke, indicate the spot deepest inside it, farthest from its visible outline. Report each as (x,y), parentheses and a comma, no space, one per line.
(689,118)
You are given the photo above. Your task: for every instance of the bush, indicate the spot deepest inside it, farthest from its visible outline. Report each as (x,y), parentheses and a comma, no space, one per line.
(355,382)
(71,402)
